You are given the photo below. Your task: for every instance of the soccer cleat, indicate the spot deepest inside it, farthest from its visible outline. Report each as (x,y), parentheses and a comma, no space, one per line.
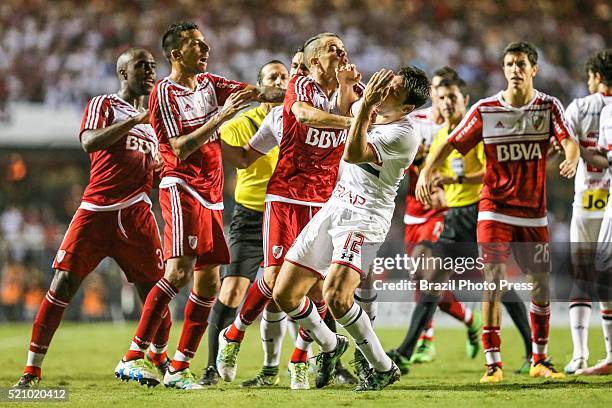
(344,376)
(601,368)
(183,380)
(226,357)
(574,365)
(360,365)
(545,369)
(425,352)
(267,377)
(524,369)
(492,375)
(298,373)
(472,345)
(326,362)
(400,360)
(210,376)
(377,380)
(139,370)
(27,380)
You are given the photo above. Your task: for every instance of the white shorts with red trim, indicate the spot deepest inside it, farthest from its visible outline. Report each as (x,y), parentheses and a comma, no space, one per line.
(339,235)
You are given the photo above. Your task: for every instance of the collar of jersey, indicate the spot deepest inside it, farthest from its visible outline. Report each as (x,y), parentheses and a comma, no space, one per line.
(505,104)
(184,87)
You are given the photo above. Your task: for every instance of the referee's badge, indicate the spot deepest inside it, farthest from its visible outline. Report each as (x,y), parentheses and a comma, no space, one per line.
(277,251)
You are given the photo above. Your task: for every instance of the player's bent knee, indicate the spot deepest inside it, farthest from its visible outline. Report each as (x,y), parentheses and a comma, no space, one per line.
(284,300)
(65,284)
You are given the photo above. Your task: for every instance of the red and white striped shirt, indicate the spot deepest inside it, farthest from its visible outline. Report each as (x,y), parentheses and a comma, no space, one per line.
(121,174)
(516,143)
(177,111)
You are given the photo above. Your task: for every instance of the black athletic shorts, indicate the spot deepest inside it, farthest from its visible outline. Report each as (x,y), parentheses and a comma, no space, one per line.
(245,243)
(458,237)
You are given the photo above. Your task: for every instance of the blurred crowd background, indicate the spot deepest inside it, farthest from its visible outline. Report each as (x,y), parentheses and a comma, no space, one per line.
(58,54)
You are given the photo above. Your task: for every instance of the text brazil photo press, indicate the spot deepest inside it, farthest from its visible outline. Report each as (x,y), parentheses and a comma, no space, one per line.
(281,202)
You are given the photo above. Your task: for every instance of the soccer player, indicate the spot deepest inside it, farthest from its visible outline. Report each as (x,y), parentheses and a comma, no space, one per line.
(341,241)
(600,78)
(515,126)
(590,201)
(187,108)
(423,225)
(314,132)
(245,240)
(115,217)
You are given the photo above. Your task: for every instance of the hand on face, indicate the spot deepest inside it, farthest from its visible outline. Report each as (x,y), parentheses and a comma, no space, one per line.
(348,75)
(378,87)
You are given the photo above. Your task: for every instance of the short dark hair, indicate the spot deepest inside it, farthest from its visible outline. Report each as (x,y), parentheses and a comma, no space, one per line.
(524,47)
(260,73)
(173,36)
(417,86)
(457,81)
(601,63)
(445,72)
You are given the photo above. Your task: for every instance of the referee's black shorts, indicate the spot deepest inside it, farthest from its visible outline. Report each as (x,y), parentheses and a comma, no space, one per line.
(458,237)
(245,243)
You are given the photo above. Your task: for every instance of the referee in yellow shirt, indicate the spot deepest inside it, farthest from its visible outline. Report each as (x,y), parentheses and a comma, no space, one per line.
(245,239)
(461,176)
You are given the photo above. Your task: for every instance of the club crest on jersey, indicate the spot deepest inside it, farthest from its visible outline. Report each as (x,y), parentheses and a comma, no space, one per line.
(60,255)
(193,241)
(277,251)
(538,121)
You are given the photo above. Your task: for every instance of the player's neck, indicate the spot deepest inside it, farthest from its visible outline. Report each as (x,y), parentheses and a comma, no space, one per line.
(137,101)
(604,89)
(518,97)
(384,118)
(267,107)
(184,79)
(436,116)
(328,84)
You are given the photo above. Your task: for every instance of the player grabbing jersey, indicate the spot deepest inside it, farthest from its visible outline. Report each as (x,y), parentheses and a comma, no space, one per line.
(114,218)
(187,108)
(340,243)
(515,126)
(311,147)
(590,201)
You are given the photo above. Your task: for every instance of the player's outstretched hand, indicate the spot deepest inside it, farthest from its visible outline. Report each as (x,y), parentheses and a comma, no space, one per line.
(423,189)
(567,168)
(348,75)
(378,87)
(142,118)
(236,102)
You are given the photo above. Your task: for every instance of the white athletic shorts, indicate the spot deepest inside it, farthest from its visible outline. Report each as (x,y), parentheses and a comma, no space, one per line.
(603,260)
(339,235)
(584,234)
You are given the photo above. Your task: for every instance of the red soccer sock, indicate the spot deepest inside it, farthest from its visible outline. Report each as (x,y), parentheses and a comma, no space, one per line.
(450,305)
(491,342)
(45,324)
(299,356)
(153,313)
(158,358)
(160,340)
(428,332)
(540,318)
(258,296)
(195,323)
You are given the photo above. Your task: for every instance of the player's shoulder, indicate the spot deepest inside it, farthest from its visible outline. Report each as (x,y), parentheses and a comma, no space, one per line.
(606,112)
(301,81)
(421,115)
(492,101)
(544,99)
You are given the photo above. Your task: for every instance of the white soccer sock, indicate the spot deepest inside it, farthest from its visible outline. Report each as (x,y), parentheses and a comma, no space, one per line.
(580,315)
(606,324)
(358,325)
(307,316)
(366,299)
(178,356)
(135,347)
(293,328)
(273,327)
(35,359)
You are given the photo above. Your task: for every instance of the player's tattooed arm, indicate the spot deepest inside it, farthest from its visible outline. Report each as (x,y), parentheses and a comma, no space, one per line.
(183,146)
(240,157)
(309,115)
(594,157)
(567,168)
(270,94)
(93,140)
(356,149)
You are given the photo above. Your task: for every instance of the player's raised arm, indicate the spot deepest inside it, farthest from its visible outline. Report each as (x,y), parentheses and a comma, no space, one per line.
(308,115)
(269,94)
(184,145)
(565,135)
(93,140)
(348,79)
(356,149)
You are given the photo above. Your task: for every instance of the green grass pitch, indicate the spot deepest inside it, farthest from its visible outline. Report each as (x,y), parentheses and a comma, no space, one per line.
(82,358)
